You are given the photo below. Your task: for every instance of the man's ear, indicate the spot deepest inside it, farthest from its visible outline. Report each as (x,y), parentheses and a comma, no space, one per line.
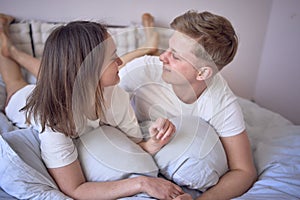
(204,73)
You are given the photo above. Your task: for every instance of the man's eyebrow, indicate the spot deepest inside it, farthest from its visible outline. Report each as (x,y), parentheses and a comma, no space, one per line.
(177,54)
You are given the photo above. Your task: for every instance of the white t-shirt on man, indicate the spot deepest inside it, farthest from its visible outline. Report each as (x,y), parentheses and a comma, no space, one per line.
(152,98)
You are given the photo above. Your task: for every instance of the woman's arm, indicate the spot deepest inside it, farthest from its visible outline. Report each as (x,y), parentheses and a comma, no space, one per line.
(71,181)
(242,172)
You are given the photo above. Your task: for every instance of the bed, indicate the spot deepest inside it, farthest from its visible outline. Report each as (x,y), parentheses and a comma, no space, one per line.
(275,140)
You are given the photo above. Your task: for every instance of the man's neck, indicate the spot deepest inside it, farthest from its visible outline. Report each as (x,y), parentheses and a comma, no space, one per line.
(189,93)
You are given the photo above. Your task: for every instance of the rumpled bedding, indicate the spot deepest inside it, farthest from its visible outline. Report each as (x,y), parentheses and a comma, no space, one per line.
(275,144)
(21,172)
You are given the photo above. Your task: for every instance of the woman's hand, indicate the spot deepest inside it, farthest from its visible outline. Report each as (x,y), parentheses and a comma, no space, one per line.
(161,188)
(161,132)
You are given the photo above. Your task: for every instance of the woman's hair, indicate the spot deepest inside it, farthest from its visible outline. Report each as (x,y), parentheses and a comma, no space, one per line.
(69,77)
(214,33)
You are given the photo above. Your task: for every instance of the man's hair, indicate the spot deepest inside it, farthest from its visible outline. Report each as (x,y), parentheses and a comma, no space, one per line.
(69,77)
(214,33)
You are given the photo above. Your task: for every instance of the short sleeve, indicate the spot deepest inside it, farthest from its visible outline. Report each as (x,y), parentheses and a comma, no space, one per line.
(121,114)
(219,107)
(57,150)
(230,121)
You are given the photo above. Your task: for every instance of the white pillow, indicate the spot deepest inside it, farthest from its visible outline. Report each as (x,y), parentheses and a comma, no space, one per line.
(195,157)
(19,34)
(124,38)
(40,32)
(164,36)
(23,174)
(107,154)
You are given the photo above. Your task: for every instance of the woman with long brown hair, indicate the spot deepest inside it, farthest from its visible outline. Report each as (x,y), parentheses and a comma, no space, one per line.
(76,89)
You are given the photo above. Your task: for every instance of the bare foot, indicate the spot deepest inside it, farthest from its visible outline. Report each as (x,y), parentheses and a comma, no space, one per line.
(152,37)
(147,20)
(5,21)
(5,44)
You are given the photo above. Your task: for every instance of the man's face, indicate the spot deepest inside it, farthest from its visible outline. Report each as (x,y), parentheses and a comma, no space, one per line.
(179,63)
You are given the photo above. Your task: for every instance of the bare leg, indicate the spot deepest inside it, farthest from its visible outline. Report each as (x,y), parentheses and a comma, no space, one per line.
(9,69)
(5,20)
(29,62)
(9,50)
(11,74)
(150,47)
(152,37)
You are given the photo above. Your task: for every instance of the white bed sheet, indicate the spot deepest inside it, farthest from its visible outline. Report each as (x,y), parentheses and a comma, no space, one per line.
(276,150)
(276,146)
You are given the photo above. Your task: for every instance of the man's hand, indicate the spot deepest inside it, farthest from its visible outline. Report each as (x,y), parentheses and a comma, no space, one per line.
(161,132)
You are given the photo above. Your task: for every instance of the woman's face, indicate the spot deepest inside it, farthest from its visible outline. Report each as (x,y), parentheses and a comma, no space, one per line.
(110,68)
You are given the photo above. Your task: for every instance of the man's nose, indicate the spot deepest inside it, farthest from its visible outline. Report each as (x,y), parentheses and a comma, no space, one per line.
(164,56)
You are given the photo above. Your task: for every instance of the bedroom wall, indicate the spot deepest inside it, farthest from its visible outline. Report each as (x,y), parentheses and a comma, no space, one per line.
(250,19)
(278,82)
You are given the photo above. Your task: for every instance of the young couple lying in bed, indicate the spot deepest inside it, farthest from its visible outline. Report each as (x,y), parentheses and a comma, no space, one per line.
(91,141)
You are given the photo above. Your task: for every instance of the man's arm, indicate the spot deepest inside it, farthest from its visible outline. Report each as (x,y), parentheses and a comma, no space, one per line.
(242,172)
(161,132)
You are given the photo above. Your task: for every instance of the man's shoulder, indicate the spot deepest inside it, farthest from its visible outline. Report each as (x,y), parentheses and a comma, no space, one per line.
(218,94)
(219,86)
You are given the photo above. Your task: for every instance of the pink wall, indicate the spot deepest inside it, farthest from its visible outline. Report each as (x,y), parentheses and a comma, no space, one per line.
(247,74)
(278,82)
(248,17)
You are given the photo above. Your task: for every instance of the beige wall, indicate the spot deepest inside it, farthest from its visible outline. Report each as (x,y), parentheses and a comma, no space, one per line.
(247,74)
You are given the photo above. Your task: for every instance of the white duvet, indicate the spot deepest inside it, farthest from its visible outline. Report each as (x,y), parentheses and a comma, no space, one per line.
(275,143)
(276,150)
